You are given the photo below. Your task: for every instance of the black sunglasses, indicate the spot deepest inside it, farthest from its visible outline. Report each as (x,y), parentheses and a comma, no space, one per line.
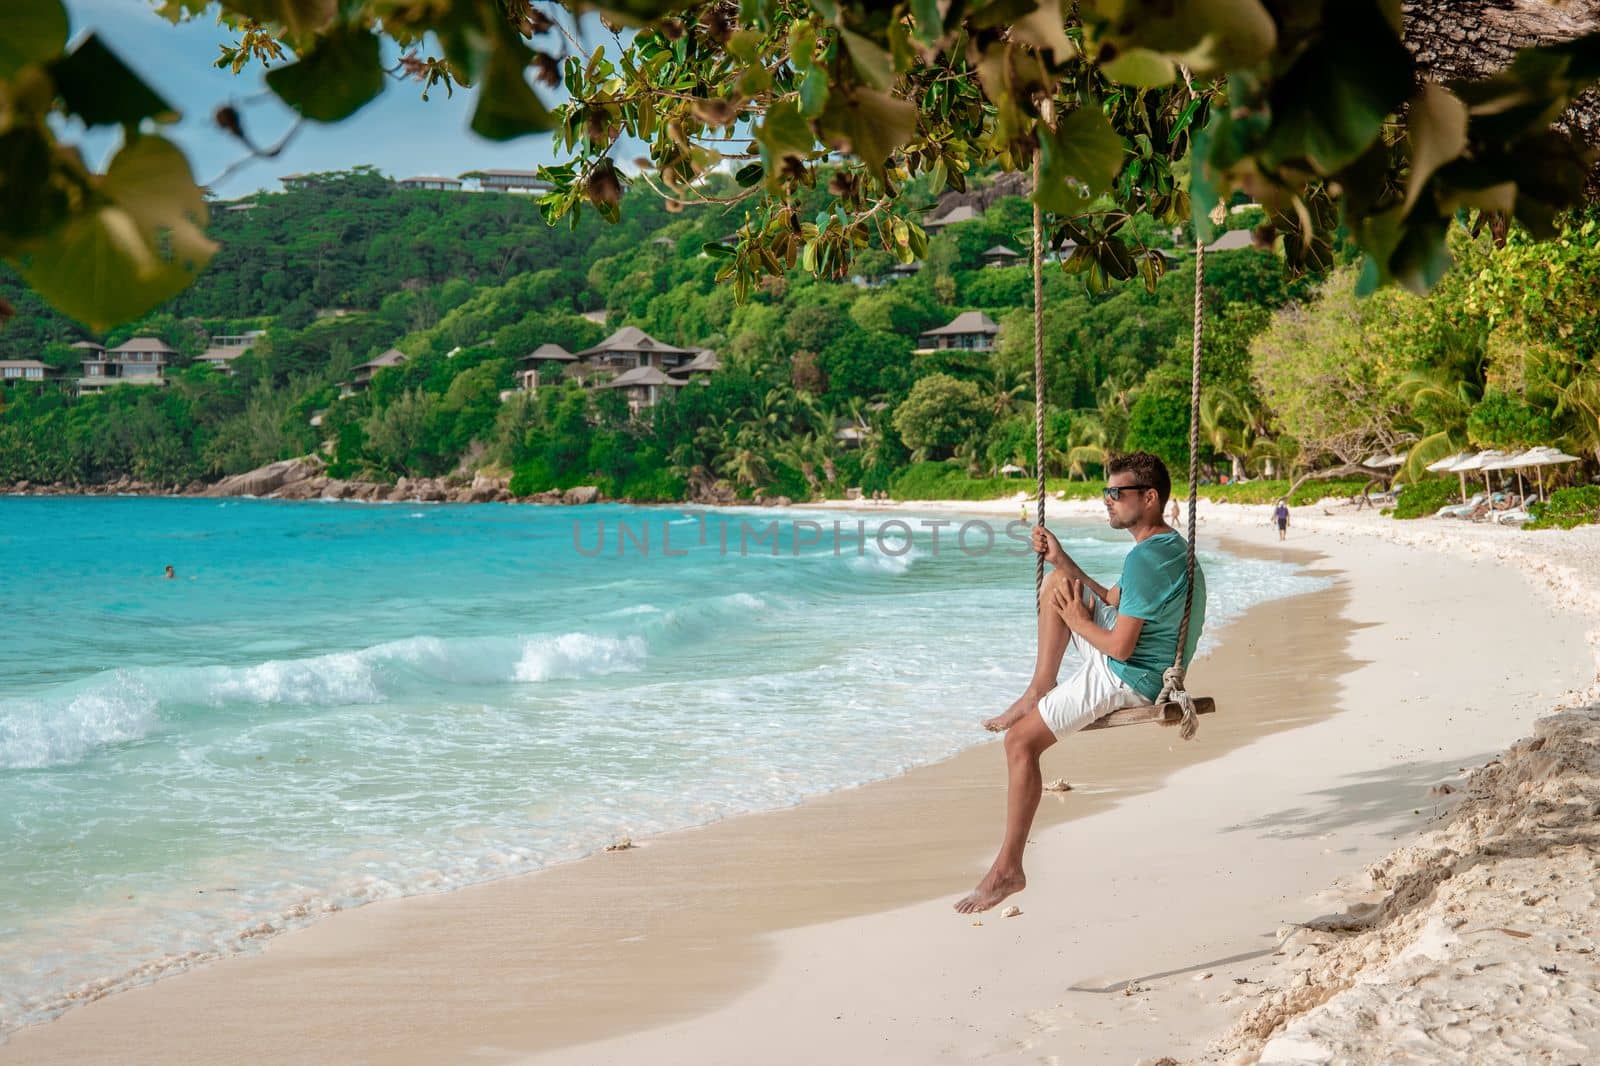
(1114,492)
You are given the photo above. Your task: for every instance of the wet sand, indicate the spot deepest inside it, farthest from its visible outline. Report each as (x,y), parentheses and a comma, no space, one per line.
(677,925)
(823,932)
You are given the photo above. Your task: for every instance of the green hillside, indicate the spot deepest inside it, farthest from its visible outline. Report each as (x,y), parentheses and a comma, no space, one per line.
(818,391)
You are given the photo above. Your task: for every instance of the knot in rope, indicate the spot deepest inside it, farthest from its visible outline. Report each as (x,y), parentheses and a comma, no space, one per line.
(1172,689)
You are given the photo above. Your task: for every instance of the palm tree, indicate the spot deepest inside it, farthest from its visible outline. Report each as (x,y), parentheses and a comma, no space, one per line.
(1223,427)
(746,466)
(1004,391)
(1440,398)
(1085,445)
(1581,398)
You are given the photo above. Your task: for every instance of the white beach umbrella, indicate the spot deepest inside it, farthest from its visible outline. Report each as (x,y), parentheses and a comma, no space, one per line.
(1449,462)
(1452,464)
(1544,456)
(1482,463)
(1385,462)
(1515,461)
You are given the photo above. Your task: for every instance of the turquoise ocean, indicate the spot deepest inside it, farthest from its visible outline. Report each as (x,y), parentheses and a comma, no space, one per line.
(339,703)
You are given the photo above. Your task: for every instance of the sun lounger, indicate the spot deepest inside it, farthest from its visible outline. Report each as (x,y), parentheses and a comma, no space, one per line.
(1514,517)
(1461,510)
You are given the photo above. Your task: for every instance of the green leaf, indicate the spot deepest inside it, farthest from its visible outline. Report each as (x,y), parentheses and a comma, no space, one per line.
(744,45)
(334,80)
(754,81)
(802,45)
(1077,161)
(1044,28)
(1141,68)
(871,62)
(1331,104)
(869,124)
(101,90)
(783,133)
(814,92)
(507,105)
(141,247)
(749,175)
(1437,130)
(1208,36)
(929,24)
(1422,256)
(30,203)
(31,31)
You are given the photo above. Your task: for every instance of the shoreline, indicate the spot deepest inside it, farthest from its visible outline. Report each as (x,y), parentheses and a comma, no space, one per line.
(682,950)
(969,771)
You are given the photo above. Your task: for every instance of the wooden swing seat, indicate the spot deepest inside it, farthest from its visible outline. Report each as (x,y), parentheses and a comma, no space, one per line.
(1169,713)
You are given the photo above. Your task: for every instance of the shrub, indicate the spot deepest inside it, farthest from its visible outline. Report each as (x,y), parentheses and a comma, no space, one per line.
(654,486)
(1567,508)
(1264,492)
(531,476)
(1426,497)
(946,481)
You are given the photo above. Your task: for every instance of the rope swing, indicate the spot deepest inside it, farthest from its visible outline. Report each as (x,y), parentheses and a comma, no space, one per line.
(1174,704)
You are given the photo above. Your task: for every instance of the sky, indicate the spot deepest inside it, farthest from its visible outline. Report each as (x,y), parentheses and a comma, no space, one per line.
(399,133)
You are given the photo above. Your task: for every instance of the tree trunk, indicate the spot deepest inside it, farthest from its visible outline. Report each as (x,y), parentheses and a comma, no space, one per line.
(1471,39)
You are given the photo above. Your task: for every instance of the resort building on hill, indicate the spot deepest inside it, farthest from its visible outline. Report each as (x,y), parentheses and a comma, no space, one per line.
(431,182)
(237,340)
(597,316)
(971,331)
(644,386)
(226,347)
(958,213)
(220,358)
(704,362)
(1000,256)
(361,376)
(297,181)
(140,361)
(518,181)
(13,371)
(1232,241)
(548,359)
(631,347)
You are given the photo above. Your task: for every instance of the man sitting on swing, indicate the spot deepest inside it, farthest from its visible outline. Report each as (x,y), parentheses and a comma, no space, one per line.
(1116,643)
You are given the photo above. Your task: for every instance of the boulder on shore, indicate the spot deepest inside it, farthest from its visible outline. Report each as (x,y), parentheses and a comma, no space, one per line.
(265,480)
(581,494)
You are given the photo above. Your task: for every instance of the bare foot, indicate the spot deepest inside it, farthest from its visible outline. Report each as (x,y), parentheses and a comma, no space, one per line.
(1002,722)
(990,891)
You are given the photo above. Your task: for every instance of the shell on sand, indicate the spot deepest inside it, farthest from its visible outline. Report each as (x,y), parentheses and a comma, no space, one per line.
(622,845)
(1011,911)
(1060,784)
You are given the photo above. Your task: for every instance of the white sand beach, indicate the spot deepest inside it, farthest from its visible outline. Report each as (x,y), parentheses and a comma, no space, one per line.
(1174,893)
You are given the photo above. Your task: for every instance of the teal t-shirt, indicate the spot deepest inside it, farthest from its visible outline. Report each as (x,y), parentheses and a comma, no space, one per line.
(1153,589)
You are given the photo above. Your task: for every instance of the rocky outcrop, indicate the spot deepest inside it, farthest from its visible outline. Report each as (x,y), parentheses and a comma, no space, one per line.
(306,478)
(269,479)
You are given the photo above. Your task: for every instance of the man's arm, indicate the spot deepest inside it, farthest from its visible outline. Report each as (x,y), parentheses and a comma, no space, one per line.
(1117,642)
(1045,543)
(1111,595)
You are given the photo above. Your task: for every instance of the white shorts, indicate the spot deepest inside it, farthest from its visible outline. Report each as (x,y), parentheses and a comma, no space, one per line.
(1086,689)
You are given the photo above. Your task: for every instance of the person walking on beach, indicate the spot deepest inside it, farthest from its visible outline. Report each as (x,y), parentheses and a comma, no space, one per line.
(1280,515)
(1115,642)
(1172,513)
